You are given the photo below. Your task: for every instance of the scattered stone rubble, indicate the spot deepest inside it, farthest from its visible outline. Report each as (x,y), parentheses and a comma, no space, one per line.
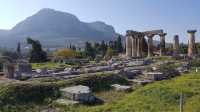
(78,93)
(118,87)
(142,81)
(154,76)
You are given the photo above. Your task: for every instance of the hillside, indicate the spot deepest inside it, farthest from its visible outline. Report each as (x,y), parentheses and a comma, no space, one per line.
(53,27)
(161,96)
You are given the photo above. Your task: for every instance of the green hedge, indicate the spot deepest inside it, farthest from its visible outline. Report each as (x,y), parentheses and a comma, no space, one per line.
(195,63)
(37,92)
(22,93)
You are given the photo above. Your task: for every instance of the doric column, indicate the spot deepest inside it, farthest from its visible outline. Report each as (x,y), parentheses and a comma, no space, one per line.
(162,43)
(176,46)
(150,45)
(134,47)
(138,47)
(128,46)
(141,46)
(191,42)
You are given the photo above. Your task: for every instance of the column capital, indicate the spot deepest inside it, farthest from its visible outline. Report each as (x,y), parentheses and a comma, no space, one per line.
(175,36)
(162,34)
(191,31)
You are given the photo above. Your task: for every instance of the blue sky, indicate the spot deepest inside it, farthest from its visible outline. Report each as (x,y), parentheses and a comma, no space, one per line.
(174,16)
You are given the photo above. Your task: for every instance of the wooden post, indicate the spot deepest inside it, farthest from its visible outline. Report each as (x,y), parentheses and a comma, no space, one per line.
(181,102)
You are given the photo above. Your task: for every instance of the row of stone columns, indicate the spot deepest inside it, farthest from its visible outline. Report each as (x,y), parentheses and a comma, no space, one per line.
(134,44)
(150,44)
(128,46)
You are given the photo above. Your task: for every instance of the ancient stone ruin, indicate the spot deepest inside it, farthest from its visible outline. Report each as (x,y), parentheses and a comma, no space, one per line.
(134,42)
(191,43)
(8,66)
(79,93)
(176,46)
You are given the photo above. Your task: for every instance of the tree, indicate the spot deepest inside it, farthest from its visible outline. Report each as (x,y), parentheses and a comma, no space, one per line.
(89,50)
(183,48)
(37,55)
(10,54)
(19,48)
(65,53)
(103,48)
(119,46)
(73,47)
(198,48)
(97,48)
(109,53)
(112,44)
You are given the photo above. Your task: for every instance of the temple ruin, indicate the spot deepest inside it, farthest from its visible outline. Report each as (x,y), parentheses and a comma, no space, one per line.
(134,42)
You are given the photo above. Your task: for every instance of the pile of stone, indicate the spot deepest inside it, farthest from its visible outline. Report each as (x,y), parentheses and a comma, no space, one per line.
(154,76)
(66,102)
(138,62)
(98,69)
(124,88)
(142,81)
(41,71)
(78,93)
(67,71)
(135,63)
(130,73)
(183,69)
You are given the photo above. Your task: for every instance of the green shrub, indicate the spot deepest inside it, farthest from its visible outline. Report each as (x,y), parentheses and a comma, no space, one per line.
(98,82)
(22,93)
(195,63)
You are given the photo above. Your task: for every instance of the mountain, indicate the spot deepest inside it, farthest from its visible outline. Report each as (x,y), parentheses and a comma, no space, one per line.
(56,28)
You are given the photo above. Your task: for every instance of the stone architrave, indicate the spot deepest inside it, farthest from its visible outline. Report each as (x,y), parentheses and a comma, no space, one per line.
(162,43)
(176,46)
(191,43)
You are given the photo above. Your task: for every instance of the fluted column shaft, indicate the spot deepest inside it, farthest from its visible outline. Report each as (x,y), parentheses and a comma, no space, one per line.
(150,45)
(191,42)
(138,47)
(134,54)
(176,46)
(162,44)
(128,46)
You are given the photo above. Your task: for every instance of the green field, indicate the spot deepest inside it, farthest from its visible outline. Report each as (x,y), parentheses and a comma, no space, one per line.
(49,65)
(160,96)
